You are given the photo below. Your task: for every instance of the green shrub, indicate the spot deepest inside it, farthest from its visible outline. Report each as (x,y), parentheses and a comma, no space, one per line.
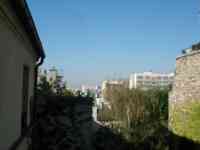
(143,116)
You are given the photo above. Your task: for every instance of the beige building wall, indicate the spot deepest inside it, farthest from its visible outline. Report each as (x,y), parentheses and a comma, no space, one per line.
(15,51)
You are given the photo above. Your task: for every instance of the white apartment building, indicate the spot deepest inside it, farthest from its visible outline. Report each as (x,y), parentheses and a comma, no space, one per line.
(148,80)
(86,88)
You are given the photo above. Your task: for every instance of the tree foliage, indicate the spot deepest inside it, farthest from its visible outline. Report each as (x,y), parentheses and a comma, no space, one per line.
(136,106)
(56,88)
(44,87)
(142,114)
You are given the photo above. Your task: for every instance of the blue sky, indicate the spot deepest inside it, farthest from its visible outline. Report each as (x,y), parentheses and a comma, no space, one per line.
(93,40)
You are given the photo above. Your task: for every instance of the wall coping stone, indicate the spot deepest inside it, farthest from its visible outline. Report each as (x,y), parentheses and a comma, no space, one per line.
(189,54)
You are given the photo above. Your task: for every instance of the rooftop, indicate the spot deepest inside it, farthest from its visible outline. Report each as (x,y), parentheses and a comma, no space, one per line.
(195,47)
(24,15)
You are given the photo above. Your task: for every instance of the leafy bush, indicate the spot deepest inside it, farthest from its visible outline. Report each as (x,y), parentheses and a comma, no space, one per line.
(136,106)
(143,114)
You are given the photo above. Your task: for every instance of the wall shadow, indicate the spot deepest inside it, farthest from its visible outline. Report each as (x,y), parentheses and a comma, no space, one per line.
(181,143)
(106,139)
(67,123)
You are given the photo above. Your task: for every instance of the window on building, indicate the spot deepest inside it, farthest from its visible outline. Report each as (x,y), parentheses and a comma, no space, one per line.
(25,90)
(147,77)
(141,77)
(165,78)
(158,78)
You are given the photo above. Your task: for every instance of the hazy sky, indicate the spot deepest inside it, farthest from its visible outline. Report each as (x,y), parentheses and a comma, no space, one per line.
(93,40)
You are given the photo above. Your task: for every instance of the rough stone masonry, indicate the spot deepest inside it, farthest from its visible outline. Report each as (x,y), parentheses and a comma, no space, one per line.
(186,85)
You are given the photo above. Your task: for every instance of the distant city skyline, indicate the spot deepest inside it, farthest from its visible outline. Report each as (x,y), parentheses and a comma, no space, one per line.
(99,83)
(96,40)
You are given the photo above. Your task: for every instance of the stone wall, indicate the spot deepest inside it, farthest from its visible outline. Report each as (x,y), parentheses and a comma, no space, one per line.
(187,79)
(185,95)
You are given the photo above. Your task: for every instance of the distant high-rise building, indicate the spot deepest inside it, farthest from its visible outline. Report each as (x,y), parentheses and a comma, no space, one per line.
(148,80)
